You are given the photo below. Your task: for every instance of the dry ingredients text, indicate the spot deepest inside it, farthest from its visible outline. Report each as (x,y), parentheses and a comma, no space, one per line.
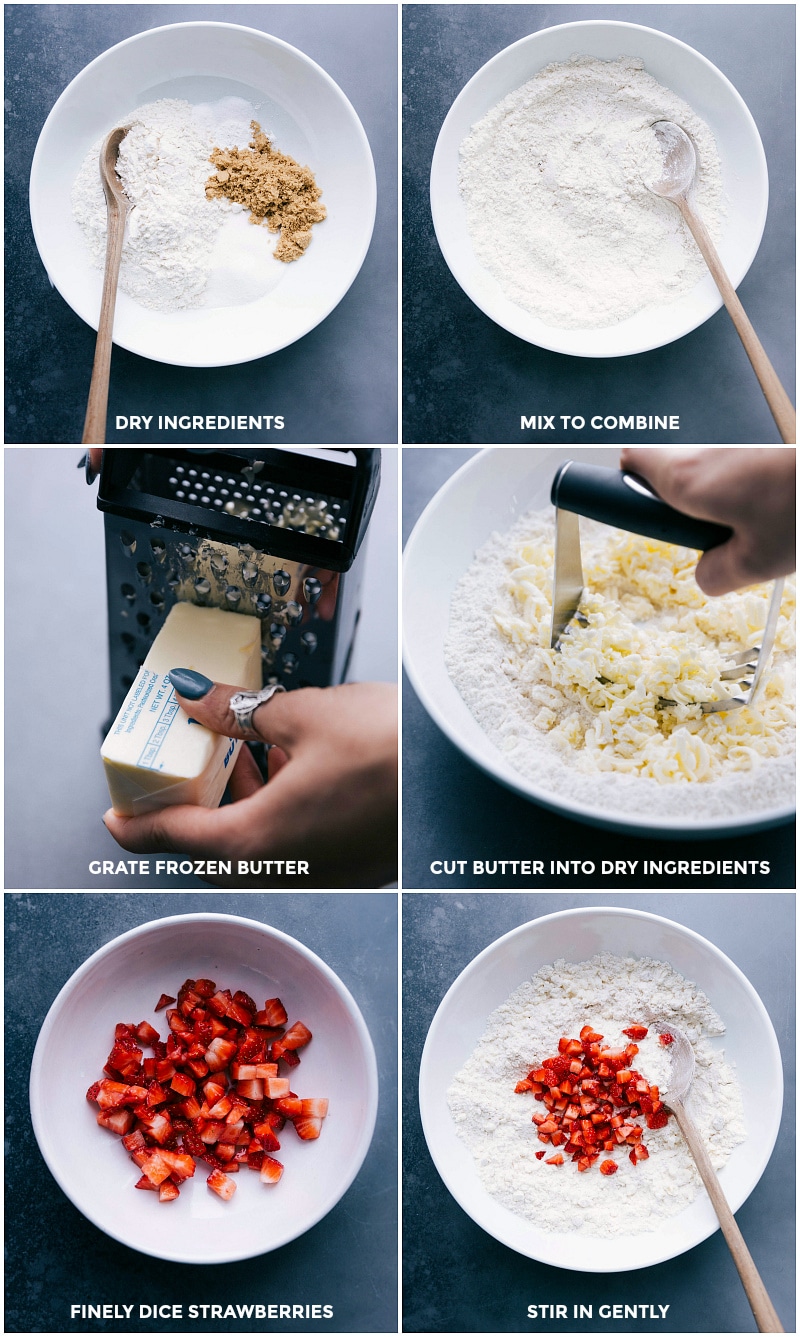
(211,422)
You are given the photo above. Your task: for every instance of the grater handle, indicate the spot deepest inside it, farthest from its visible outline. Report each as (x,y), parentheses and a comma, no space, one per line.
(623,499)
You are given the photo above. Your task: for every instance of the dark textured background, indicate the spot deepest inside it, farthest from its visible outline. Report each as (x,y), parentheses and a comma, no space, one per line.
(453,810)
(336,385)
(459,1279)
(465,378)
(57,1258)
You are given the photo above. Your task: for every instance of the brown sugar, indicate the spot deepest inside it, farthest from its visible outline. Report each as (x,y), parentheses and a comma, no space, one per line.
(276,190)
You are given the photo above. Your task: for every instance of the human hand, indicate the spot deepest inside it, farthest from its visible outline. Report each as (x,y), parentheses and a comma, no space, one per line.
(331,798)
(751,491)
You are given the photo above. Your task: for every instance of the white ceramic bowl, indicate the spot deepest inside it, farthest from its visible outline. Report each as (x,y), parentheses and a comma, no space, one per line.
(312,121)
(675,66)
(577,935)
(122,982)
(489,493)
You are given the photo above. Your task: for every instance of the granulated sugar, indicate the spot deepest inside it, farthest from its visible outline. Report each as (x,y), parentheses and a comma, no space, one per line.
(552,180)
(608,993)
(497,654)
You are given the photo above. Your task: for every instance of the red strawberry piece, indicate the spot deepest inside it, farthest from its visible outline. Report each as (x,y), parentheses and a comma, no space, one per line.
(289,1106)
(636,1032)
(273,1013)
(181,1165)
(168,1191)
(205,988)
(183,1084)
(220,1184)
(589,1036)
(271,1170)
(307,1127)
(523,1085)
(540,1154)
(219,1054)
(164,1001)
(118,1121)
(147,1033)
(658,1120)
(554,1160)
(608,1167)
(255,1090)
(665,1038)
(93,1091)
(297,1036)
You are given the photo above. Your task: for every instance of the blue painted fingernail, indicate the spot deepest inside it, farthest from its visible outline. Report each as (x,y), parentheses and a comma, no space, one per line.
(190,684)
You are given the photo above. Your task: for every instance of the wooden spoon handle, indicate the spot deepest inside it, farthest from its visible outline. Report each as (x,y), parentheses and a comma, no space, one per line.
(779,402)
(94,427)
(756,1291)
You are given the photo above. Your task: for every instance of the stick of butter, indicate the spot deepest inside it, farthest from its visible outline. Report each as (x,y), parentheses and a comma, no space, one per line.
(155,754)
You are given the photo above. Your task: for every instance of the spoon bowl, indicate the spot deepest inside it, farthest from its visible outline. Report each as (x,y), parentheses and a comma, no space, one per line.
(679,160)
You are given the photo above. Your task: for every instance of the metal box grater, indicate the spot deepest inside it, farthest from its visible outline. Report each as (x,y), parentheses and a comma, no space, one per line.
(276,534)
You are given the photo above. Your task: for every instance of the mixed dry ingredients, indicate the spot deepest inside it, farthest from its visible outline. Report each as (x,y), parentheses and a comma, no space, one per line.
(188,241)
(544,1176)
(588,720)
(553,183)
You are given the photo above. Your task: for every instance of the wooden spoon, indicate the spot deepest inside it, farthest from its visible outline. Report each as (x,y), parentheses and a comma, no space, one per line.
(119,206)
(680,1081)
(679,166)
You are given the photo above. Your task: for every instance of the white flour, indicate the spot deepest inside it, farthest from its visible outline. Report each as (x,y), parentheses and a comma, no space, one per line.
(494,684)
(608,993)
(552,182)
(181,250)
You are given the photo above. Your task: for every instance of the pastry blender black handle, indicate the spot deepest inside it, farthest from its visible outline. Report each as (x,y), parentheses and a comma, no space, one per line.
(623,499)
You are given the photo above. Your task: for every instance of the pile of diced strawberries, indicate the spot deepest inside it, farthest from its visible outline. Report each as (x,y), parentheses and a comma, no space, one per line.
(211,1090)
(592,1098)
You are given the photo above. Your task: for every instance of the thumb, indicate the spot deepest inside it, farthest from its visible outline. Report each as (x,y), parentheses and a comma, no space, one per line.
(279,721)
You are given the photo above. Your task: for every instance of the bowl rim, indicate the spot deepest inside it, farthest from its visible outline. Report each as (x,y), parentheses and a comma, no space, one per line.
(37,1109)
(652,824)
(556,344)
(371,201)
(765,1147)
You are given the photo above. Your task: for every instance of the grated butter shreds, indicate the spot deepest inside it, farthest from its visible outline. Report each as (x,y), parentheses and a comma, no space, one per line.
(652,636)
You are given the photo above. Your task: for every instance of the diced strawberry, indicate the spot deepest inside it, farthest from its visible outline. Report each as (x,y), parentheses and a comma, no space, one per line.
(219,1054)
(93,1092)
(271,1170)
(147,1033)
(205,988)
(220,1184)
(168,1191)
(181,1165)
(608,1167)
(636,1032)
(658,1120)
(272,1014)
(255,1090)
(296,1037)
(307,1127)
(554,1160)
(116,1120)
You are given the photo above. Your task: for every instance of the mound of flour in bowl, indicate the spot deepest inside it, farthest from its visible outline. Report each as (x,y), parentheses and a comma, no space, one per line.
(552,180)
(609,993)
(181,249)
(586,723)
